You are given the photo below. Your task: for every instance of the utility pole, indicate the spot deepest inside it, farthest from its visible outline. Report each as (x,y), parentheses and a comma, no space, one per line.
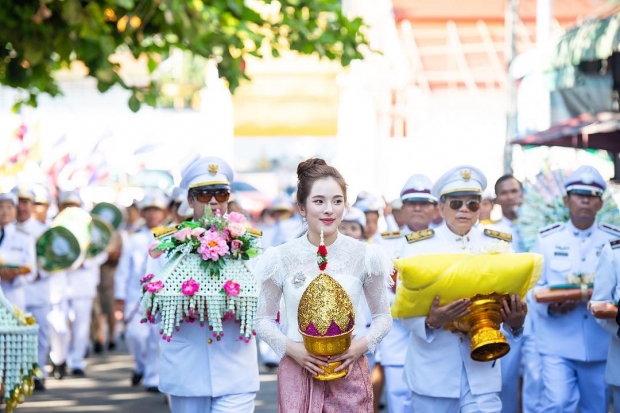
(511,19)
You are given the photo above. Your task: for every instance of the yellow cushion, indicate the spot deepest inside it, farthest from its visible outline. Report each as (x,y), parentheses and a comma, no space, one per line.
(456,276)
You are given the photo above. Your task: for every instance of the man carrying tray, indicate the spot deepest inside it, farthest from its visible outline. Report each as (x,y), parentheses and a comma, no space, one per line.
(573,346)
(438,367)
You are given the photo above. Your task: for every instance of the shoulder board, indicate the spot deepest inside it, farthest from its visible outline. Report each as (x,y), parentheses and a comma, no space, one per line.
(550,229)
(485,222)
(256,233)
(420,235)
(610,229)
(615,243)
(391,234)
(504,236)
(160,232)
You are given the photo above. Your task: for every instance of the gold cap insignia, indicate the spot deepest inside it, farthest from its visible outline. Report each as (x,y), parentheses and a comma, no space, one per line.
(466,174)
(213,167)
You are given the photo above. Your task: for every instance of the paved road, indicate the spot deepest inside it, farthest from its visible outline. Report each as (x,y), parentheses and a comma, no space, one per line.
(106,388)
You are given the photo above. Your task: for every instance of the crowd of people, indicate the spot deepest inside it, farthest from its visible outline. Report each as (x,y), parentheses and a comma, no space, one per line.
(561,358)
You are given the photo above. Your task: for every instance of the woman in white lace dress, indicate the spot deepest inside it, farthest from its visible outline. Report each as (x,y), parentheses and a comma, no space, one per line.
(288,269)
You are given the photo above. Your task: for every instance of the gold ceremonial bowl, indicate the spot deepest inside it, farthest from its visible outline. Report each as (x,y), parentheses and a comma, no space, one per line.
(328,346)
(482,324)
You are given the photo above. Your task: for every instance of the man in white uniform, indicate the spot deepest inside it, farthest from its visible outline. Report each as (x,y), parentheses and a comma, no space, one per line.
(16,249)
(418,210)
(438,368)
(573,346)
(142,338)
(38,291)
(203,375)
(607,288)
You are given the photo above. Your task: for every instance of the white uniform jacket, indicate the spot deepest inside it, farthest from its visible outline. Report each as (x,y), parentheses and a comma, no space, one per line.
(38,291)
(607,288)
(436,359)
(83,281)
(195,364)
(131,268)
(17,248)
(569,252)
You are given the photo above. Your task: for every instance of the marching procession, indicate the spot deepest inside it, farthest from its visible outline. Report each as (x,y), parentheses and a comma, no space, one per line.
(443,309)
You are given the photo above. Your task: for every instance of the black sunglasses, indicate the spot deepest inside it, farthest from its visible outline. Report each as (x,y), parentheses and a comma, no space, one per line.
(456,204)
(220,195)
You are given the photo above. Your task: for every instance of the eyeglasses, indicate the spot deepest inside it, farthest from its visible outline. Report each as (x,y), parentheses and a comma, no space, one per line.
(221,195)
(456,204)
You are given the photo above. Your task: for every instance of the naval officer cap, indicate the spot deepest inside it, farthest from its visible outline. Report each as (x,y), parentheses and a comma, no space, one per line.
(369,204)
(418,188)
(356,215)
(70,198)
(396,204)
(8,196)
(178,195)
(154,199)
(459,181)
(41,195)
(282,203)
(586,180)
(23,192)
(207,171)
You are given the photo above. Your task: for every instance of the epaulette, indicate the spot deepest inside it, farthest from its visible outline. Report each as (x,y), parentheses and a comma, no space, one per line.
(615,243)
(610,229)
(486,222)
(256,233)
(391,234)
(160,232)
(504,236)
(550,229)
(420,235)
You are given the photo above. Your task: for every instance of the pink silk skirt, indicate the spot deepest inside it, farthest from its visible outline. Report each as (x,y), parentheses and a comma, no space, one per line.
(298,392)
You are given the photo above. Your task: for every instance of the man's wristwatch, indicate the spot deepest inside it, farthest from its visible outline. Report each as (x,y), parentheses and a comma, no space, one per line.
(516,331)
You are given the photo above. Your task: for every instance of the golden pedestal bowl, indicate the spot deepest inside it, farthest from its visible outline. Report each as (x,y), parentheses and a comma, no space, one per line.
(482,324)
(328,346)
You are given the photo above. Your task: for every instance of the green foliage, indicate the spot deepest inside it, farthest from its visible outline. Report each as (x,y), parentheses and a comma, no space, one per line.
(39,37)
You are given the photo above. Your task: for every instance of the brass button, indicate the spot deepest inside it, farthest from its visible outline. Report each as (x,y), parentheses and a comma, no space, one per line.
(210,341)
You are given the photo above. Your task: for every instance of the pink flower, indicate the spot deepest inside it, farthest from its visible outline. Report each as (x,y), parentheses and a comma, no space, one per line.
(236,229)
(154,286)
(189,287)
(196,232)
(183,234)
(235,245)
(236,217)
(146,278)
(231,288)
(153,251)
(212,246)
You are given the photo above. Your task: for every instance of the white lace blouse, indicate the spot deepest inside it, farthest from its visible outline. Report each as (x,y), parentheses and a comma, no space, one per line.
(288,269)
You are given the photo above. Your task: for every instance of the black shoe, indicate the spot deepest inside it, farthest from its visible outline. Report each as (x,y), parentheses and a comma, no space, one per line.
(98,348)
(39,385)
(59,372)
(152,389)
(271,365)
(136,378)
(78,373)
(111,346)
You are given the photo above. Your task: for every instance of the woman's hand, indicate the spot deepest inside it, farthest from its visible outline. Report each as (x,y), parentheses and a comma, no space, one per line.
(438,316)
(306,360)
(514,311)
(357,349)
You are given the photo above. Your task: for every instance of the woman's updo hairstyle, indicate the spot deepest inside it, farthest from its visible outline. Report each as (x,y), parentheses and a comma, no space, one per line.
(310,171)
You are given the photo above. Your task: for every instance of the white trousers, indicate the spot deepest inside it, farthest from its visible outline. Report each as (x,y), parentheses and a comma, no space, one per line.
(143,344)
(511,366)
(467,403)
(237,403)
(43,334)
(59,332)
(531,400)
(397,392)
(569,384)
(615,394)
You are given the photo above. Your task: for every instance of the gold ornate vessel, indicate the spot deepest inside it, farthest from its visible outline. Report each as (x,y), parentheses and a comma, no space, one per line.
(326,320)
(482,324)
